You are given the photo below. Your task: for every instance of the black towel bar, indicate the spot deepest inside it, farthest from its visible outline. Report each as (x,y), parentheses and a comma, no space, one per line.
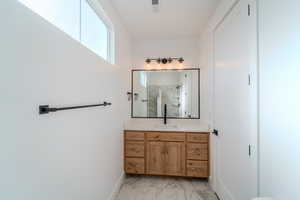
(45,109)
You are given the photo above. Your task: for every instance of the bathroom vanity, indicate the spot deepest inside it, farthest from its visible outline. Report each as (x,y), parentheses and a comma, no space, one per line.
(180,148)
(167,153)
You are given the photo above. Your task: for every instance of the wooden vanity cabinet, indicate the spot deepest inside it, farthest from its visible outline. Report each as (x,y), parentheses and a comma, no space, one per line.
(197,155)
(166,153)
(155,157)
(165,158)
(174,163)
(134,152)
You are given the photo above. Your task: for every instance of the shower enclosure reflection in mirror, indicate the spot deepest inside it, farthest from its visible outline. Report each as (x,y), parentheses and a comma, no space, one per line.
(179,89)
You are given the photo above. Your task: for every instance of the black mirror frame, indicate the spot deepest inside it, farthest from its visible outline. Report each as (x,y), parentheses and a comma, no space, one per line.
(196,69)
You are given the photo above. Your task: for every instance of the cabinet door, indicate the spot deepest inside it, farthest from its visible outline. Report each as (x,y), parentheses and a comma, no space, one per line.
(175,158)
(135,165)
(197,151)
(155,157)
(134,149)
(197,168)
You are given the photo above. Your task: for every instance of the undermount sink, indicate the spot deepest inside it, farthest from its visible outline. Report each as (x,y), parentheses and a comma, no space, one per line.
(166,126)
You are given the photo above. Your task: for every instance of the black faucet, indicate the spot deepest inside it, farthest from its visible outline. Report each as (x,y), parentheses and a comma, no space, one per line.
(165,114)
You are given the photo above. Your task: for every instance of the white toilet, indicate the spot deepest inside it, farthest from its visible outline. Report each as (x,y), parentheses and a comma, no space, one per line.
(262,198)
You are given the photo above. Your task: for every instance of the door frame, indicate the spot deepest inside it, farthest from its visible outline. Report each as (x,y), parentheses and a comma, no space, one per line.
(214,140)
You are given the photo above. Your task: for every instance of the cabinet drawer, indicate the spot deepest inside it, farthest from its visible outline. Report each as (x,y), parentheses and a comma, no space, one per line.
(197,151)
(198,137)
(131,135)
(135,165)
(197,168)
(134,149)
(172,137)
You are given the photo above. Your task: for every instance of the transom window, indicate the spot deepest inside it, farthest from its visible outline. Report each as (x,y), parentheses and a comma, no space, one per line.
(83,20)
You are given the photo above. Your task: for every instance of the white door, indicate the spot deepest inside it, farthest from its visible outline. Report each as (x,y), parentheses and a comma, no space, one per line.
(235,103)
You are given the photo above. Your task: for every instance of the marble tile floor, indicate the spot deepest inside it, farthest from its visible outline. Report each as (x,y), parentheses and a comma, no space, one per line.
(164,188)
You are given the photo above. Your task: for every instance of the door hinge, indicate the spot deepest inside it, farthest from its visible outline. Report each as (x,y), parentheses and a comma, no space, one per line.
(249,79)
(249,150)
(249,10)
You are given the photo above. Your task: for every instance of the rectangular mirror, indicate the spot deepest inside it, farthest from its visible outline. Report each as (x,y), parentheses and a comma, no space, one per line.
(178,89)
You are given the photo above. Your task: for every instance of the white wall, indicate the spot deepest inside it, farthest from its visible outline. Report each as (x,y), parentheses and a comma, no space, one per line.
(186,48)
(123,51)
(65,155)
(279,44)
(206,63)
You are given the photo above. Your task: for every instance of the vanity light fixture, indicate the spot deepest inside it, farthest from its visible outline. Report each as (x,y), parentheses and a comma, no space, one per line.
(158,60)
(181,60)
(164,60)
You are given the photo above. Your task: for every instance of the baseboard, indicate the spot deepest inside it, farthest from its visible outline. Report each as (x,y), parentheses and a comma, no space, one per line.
(211,182)
(222,192)
(117,187)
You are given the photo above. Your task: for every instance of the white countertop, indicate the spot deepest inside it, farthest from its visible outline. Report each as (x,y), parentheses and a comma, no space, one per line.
(173,125)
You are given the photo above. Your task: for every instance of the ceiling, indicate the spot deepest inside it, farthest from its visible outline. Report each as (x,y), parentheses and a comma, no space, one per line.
(174,19)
